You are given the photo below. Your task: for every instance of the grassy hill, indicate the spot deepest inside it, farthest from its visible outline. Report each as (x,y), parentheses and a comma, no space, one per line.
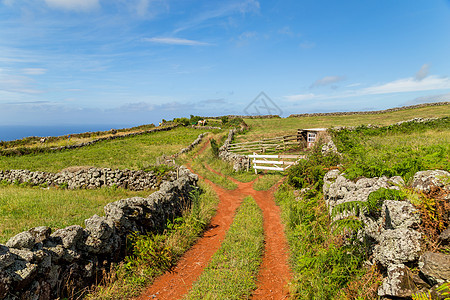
(133,153)
(263,128)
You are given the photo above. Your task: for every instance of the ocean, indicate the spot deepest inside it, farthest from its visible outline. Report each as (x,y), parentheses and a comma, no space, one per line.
(12,132)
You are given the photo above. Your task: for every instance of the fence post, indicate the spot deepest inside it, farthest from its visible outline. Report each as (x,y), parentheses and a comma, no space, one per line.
(254,164)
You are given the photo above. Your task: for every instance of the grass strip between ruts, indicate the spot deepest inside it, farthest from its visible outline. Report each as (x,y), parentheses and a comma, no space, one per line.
(231,274)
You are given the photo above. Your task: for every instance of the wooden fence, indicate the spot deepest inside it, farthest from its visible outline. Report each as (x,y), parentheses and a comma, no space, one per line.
(265,145)
(267,162)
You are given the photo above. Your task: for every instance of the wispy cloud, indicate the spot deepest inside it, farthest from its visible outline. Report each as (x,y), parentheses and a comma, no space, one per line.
(404,85)
(242,7)
(175,41)
(429,99)
(148,8)
(409,85)
(13,83)
(74,5)
(34,71)
(423,72)
(327,80)
(307,45)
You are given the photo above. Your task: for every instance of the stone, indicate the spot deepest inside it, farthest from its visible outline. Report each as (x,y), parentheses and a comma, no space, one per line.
(397,246)
(444,237)
(5,284)
(102,236)
(23,240)
(426,181)
(23,254)
(6,258)
(69,237)
(399,214)
(435,266)
(40,233)
(398,283)
(329,147)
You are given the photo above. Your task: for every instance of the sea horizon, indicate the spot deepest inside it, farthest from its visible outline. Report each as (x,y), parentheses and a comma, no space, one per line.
(17,132)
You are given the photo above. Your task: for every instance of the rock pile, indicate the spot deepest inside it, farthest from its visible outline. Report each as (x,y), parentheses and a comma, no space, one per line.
(396,242)
(39,264)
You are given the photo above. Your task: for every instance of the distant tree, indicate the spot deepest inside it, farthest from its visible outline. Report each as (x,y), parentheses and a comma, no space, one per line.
(194,119)
(182,121)
(224,119)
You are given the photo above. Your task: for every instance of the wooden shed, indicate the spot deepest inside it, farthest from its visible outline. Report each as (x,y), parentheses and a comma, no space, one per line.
(311,135)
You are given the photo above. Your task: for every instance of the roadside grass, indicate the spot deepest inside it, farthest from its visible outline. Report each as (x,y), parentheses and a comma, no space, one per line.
(198,161)
(22,208)
(322,266)
(265,182)
(264,128)
(222,181)
(123,153)
(152,255)
(231,274)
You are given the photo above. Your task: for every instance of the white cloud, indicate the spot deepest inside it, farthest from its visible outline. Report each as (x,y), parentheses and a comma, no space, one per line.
(175,41)
(327,80)
(409,85)
(75,5)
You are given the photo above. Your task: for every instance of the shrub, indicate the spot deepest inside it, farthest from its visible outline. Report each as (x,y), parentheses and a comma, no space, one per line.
(214,148)
(310,172)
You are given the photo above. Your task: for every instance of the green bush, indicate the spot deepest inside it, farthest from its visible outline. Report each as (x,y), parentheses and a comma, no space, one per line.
(310,172)
(214,148)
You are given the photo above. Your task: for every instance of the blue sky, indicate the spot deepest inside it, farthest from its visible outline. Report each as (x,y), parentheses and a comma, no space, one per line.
(138,61)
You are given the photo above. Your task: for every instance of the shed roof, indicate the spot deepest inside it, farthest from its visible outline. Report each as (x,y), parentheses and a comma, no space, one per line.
(315,129)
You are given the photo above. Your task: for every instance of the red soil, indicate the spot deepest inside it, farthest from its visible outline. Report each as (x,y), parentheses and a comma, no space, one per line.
(274,274)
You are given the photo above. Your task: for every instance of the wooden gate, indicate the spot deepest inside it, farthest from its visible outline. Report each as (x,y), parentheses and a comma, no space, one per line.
(274,162)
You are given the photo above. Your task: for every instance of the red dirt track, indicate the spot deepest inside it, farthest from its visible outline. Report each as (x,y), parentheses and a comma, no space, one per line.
(274,273)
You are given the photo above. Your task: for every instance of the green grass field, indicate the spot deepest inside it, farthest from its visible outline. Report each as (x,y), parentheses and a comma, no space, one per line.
(127,153)
(22,208)
(263,128)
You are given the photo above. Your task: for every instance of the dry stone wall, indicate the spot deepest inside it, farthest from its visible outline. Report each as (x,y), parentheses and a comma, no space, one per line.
(396,243)
(87,178)
(240,162)
(368,112)
(93,178)
(41,264)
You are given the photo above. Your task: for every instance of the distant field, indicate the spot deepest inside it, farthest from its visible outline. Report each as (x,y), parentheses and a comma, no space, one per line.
(261,128)
(127,153)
